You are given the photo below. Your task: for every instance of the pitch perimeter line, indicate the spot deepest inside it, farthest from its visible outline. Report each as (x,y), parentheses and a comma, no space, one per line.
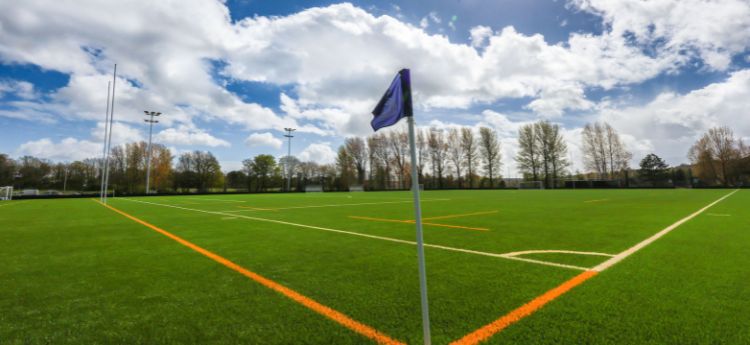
(489,330)
(311,304)
(383,238)
(630,251)
(523,311)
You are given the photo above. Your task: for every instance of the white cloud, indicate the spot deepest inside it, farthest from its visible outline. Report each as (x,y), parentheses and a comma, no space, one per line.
(338,60)
(263,139)
(713,30)
(670,123)
(424,23)
(68,149)
(121,133)
(18,88)
(434,17)
(479,35)
(320,153)
(185,135)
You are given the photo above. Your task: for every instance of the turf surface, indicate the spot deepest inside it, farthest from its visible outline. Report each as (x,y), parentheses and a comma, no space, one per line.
(75,272)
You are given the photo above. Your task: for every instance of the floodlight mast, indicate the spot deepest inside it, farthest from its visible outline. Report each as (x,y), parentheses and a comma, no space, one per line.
(288,158)
(151,123)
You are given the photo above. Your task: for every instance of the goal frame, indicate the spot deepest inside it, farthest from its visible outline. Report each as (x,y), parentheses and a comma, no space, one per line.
(6,193)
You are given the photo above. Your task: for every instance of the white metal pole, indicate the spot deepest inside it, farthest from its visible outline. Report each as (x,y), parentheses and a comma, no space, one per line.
(104,146)
(65,181)
(288,165)
(148,158)
(420,240)
(109,139)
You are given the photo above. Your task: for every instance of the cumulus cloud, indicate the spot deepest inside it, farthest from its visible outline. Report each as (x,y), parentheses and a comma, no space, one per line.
(121,133)
(479,35)
(320,153)
(670,123)
(712,30)
(171,57)
(19,88)
(68,149)
(185,135)
(263,139)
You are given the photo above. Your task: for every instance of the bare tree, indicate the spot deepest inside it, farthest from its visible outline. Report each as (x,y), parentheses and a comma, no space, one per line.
(618,156)
(399,145)
(345,166)
(438,154)
(455,152)
(382,155)
(551,150)
(489,147)
(469,148)
(357,150)
(714,153)
(528,157)
(603,150)
(421,146)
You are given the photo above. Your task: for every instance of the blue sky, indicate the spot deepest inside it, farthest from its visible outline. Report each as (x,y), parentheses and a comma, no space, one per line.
(230,76)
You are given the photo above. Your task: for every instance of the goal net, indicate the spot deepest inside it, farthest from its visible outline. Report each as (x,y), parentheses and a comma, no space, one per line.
(530,185)
(313,188)
(6,193)
(356,188)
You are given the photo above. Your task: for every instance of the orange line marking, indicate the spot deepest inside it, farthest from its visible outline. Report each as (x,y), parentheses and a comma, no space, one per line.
(257,208)
(523,311)
(461,215)
(424,223)
(332,314)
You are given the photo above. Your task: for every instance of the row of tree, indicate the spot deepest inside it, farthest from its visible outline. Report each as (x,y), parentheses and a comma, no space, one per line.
(459,157)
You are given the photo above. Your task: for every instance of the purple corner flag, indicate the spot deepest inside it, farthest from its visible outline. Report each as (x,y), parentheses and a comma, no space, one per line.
(395,103)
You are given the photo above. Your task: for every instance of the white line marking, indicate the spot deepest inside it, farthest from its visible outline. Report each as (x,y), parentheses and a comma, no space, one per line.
(524,252)
(619,257)
(596,200)
(224,200)
(335,205)
(383,238)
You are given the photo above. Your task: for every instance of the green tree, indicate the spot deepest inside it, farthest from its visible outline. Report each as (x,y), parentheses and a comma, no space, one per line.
(260,169)
(653,169)
(7,170)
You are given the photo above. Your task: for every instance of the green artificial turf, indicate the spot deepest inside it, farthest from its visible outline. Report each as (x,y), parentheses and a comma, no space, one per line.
(75,272)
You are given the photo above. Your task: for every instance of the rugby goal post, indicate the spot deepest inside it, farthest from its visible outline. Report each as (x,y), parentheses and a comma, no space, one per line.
(6,193)
(313,188)
(530,185)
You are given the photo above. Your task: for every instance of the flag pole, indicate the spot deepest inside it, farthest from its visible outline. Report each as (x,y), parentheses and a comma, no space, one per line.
(420,241)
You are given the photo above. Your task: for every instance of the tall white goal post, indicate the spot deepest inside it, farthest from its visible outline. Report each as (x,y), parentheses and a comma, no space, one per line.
(6,193)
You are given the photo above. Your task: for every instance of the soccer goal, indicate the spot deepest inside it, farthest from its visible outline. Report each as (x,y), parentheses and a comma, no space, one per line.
(356,188)
(313,188)
(6,193)
(530,185)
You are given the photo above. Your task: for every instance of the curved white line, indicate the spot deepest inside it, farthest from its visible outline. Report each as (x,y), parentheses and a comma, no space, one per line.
(525,252)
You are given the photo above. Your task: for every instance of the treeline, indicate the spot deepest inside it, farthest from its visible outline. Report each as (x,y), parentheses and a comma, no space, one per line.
(458,157)
(192,171)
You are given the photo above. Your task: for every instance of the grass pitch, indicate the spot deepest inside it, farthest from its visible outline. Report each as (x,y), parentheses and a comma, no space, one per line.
(75,272)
